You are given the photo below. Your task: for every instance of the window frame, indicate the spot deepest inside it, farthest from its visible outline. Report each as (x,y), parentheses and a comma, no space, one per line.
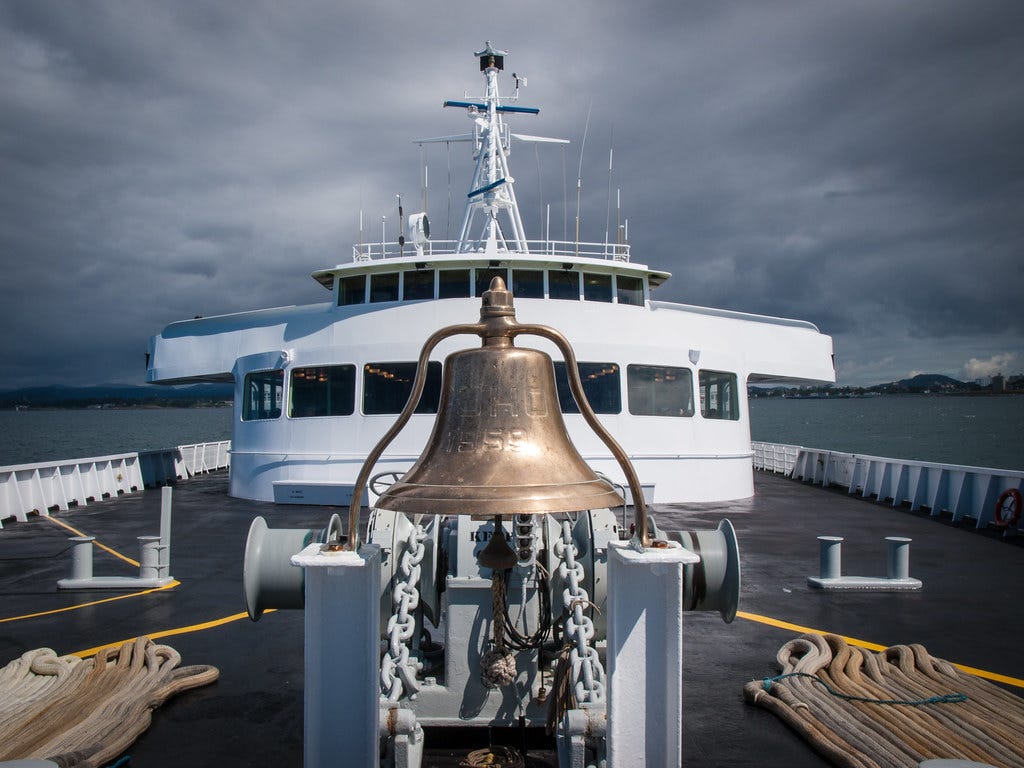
(565,392)
(634,395)
(343,293)
(553,282)
(732,413)
(620,291)
(419,273)
(430,399)
(293,388)
(593,290)
(267,373)
(388,293)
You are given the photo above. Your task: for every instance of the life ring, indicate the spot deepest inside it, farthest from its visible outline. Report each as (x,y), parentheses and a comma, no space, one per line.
(1008,508)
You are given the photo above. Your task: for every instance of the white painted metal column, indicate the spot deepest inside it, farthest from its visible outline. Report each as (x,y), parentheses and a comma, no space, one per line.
(342,656)
(645,655)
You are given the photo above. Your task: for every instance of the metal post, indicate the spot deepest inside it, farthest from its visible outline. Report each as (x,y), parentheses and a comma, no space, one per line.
(342,690)
(831,561)
(165,532)
(897,557)
(81,557)
(645,650)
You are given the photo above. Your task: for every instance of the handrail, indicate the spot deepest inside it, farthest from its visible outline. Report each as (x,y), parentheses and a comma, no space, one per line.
(619,252)
(43,486)
(962,491)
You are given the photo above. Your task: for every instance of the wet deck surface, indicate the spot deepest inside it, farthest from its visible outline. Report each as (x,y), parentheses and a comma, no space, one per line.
(968,612)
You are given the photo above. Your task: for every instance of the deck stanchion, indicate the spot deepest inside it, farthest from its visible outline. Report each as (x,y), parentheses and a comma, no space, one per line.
(645,622)
(342,659)
(165,531)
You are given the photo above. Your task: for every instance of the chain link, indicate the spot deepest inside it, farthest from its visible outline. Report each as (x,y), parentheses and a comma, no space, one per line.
(587,672)
(397,668)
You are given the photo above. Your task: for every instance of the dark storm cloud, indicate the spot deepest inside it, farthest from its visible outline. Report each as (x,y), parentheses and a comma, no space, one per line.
(855,164)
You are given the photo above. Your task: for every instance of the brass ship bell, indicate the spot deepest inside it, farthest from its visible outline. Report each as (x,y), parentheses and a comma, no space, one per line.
(499,446)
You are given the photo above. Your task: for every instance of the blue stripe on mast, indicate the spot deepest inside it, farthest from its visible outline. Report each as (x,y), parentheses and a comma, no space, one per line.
(479,105)
(488,188)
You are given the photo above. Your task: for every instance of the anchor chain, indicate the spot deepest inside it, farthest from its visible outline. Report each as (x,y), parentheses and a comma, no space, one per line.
(397,668)
(587,672)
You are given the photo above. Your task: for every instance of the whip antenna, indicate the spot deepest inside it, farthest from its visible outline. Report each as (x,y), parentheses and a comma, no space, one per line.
(579,177)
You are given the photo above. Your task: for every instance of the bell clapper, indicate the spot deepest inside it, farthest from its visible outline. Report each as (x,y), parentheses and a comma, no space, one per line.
(497,555)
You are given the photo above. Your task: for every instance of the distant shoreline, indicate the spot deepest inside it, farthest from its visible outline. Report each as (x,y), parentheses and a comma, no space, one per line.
(119,406)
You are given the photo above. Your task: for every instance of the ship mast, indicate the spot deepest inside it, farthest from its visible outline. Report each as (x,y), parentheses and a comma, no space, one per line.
(491,223)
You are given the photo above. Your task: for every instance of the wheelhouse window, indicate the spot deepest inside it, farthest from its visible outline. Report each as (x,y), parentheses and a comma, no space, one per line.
(484,277)
(384,287)
(453,283)
(328,390)
(718,396)
(351,290)
(629,290)
(597,287)
(386,387)
(528,283)
(263,395)
(564,284)
(601,385)
(659,390)
(418,285)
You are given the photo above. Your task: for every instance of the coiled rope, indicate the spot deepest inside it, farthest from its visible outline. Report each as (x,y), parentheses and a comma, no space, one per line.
(493,757)
(83,713)
(897,707)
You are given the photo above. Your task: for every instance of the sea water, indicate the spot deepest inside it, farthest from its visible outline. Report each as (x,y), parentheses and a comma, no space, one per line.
(980,431)
(60,434)
(976,430)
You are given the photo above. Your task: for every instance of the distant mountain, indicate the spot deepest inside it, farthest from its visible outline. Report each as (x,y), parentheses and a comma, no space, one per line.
(930,381)
(115,394)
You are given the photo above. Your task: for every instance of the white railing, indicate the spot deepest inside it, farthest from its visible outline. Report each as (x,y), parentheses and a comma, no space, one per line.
(561,248)
(962,491)
(774,457)
(57,485)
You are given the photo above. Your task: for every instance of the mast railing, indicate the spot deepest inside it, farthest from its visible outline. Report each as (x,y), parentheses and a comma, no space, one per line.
(437,248)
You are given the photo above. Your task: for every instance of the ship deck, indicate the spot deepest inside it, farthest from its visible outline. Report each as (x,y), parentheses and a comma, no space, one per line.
(967,612)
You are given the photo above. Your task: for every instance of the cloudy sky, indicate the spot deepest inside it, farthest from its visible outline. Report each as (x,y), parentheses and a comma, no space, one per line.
(856,164)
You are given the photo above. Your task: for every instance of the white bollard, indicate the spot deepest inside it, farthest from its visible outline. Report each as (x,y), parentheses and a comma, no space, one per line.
(831,559)
(898,557)
(149,557)
(81,557)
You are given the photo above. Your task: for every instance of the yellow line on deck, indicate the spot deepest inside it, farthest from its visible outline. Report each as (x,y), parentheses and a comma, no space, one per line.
(1014,681)
(170,585)
(171,632)
(77,532)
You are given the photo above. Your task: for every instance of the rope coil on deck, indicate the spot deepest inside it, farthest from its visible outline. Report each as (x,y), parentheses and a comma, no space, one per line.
(896,707)
(84,713)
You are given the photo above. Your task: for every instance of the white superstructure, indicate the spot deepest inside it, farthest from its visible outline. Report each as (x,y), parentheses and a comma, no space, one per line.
(316,386)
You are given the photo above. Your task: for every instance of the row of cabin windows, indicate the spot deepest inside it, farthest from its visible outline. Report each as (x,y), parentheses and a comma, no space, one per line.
(330,390)
(416,285)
